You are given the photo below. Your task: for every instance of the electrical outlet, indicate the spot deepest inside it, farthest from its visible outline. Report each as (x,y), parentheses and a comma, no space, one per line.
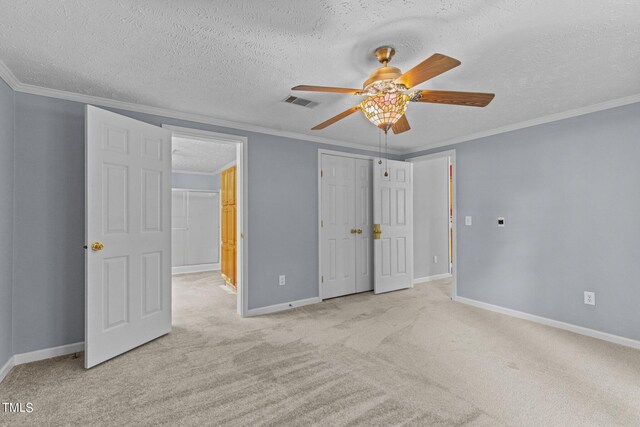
(435,259)
(467,220)
(282,280)
(589,298)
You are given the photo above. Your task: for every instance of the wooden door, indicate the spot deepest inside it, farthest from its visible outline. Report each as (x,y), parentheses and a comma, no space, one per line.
(228,225)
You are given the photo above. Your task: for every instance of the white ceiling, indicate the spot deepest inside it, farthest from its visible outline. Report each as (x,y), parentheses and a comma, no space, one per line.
(192,155)
(236,59)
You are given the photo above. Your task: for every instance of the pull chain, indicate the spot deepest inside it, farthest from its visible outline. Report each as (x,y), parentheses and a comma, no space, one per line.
(386,154)
(379,146)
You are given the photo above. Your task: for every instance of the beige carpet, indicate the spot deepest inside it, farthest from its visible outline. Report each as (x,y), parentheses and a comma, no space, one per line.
(407,358)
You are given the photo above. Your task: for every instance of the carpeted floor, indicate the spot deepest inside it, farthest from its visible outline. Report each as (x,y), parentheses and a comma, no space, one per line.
(411,357)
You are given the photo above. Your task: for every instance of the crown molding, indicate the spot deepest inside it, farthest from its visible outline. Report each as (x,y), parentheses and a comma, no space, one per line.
(174,114)
(7,75)
(619,102)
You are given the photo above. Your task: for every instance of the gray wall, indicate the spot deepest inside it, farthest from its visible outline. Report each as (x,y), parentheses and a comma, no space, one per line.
(191,181)
(430,217)
(49,192)
(570,194)
(567,189)
(6,220)
(48,294)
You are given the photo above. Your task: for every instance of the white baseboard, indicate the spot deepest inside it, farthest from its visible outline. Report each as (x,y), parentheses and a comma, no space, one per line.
(48,353)
(431,278)
(6,368)
(198,268)
(616,339)
(281,307)
(34,356)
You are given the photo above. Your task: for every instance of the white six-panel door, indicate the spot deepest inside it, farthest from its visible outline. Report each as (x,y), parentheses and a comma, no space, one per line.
(338,216)
(393,211)
(128,211)
(346,243)
(363,225)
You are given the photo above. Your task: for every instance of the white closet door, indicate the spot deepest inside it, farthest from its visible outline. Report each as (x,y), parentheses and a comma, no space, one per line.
(364,225)
(179,225)
(393,213)
(203,236)
(338,218)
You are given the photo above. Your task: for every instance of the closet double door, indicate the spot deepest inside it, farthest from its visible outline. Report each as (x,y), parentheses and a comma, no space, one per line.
(346,226)
(195,223)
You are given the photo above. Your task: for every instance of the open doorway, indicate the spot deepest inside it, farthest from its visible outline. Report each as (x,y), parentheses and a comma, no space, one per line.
(207,220)
(435,218)
(128,232)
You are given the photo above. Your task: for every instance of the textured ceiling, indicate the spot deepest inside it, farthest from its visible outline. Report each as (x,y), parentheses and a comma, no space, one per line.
(237,59)
(200,156)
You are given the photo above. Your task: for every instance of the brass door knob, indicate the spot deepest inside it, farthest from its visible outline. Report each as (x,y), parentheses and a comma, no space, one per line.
(359,231)
(97,246)
(377,231)
(353,231)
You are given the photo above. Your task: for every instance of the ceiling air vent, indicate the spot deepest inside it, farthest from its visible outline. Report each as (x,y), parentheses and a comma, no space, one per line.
(299,101)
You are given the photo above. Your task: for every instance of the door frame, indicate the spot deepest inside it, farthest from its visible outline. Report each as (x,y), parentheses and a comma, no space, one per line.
(242,213)
(322,151)
(451,154)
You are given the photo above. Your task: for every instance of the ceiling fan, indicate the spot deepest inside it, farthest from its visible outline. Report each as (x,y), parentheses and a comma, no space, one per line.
(387,92)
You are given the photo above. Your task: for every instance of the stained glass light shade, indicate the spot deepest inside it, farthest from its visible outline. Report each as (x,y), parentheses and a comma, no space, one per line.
(384,109)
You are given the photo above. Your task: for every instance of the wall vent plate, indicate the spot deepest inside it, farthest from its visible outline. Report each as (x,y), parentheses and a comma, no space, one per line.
(299,101)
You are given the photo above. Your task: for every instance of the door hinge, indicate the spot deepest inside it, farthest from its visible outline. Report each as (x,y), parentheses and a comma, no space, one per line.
(321,279)
(321,173)
(321,223)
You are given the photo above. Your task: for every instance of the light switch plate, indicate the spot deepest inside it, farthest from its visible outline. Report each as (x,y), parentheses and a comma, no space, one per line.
(467,220)
(500,221)
(282,280)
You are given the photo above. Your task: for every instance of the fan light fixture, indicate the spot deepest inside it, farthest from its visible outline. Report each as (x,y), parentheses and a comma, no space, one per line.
(386,98)
(385,109)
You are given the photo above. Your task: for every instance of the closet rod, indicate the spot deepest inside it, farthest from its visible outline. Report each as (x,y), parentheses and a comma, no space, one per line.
(199,191)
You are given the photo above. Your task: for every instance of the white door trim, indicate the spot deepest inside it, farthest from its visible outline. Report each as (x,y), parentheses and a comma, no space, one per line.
(322,151)
(242,214)
(452,155)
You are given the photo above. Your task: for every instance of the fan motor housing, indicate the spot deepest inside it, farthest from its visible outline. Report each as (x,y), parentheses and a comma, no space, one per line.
(383,73)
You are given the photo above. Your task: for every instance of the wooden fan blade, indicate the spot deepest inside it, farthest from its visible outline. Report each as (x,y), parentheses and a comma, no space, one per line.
(472,99)
(433,66)
(326,89)
(334,119)
(401,125)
